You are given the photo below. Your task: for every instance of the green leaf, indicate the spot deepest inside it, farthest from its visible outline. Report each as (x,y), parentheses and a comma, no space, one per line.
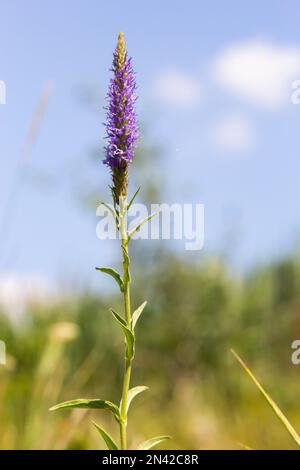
(111,272)
(132,393)
(125,253)
(118,318)
(271,402)
(111,445)
(133,198)
(128,333)
(115,203)
(136,314)
(137,228)
(111,210)
(153,442)
(93,403)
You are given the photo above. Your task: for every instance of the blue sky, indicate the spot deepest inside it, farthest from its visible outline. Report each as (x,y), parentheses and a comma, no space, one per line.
(214,88)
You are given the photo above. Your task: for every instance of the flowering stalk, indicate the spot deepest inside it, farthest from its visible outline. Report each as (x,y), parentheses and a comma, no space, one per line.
(122,132)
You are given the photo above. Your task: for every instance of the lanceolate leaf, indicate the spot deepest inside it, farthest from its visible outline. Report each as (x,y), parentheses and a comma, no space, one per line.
(133,392)
(118,318)
(137,313)
(111,445)
(271,402)
(93,403)
(111,272)
(137,228)
(153,442)
(111,210)
(114,201)
(128,333)
(133,198)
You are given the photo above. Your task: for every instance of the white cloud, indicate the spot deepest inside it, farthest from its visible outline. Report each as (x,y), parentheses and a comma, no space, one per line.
(234,134)
(259,71)
(177,88)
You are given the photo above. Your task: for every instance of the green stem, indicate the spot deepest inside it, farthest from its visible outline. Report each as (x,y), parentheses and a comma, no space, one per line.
(126,280)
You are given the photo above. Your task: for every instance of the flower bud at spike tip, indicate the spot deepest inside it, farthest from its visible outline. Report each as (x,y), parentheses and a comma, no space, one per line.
(121,125)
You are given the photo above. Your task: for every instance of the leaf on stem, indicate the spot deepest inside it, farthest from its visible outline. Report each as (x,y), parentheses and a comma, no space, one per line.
(115,203)
(113,273)
(146,445)
(111,210)
(136,314)
(126,264)
(93,403)
(132,393)
(271,402)
(137,228)
(133,198)
(111,445)
(130,340)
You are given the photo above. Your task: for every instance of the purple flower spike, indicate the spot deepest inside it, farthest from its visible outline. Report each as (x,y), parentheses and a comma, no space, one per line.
(121,125)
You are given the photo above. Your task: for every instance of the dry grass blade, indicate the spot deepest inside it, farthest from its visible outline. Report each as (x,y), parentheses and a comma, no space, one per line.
(271,402)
